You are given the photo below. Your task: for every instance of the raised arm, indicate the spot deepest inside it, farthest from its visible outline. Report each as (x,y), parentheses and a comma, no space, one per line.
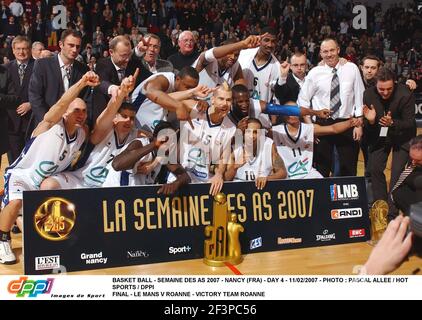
(104,122)
(57,111)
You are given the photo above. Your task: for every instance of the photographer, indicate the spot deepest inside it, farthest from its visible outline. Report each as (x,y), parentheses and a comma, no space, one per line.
(408,189)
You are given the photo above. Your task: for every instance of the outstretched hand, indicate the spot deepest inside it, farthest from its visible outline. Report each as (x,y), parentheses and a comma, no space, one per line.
(392,249)
(91,79)
(251,42)
(323,114)
(143,44)
(128,84)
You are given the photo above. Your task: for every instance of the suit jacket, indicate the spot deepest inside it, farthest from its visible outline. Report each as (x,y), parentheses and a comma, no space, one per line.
(46,84)
(8,100)
(402,107)
(19,124)
(408,192)
(109,76)
(288,91)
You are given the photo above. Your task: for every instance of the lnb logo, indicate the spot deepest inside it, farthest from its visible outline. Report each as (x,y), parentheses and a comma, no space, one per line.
(32,288)
(344,192)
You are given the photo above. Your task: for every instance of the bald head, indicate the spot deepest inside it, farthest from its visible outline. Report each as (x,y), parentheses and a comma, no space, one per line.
(330,52)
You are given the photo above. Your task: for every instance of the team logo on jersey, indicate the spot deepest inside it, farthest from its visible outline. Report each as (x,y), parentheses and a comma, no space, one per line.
(298,168)
(339,192)
(55,219)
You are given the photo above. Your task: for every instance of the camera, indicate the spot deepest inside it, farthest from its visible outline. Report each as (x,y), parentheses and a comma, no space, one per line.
(416,227)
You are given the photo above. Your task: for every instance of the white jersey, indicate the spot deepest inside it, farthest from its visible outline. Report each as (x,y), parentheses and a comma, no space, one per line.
(296,152)
(46,154)
(95,171)
(259,166)
(255,111)
(260,79)
(212,76)
(131,177)
(204,145)
(149,113)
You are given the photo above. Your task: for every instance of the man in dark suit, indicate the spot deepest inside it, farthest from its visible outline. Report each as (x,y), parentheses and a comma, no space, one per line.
(20,71)
(8,100)
(121,63)
(409,191)
(390,125)
(52,76)
(289,91)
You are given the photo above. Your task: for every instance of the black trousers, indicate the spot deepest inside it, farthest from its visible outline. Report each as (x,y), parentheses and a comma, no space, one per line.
(347,149)
(378,161)
(17,143)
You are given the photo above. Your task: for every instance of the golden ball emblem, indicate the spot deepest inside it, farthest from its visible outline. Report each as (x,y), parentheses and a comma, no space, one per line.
(55,219)
(220,198)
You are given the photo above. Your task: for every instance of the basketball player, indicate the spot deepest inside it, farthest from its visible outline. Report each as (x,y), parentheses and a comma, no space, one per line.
(141,161)
(162,93)
(113,129)
(52,147)
(261,69)
(219,64)
(257,159)
(207,143)
(244,107)
(295,144)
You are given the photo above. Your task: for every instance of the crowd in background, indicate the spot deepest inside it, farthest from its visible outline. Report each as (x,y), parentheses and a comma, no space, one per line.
(301,25)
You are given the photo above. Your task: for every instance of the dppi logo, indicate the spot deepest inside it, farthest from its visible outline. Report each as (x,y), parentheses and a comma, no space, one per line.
(32,288)
(344,192)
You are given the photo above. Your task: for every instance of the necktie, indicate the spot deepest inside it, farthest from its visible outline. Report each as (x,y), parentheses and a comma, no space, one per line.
(335,102)
(21,72)
(68,70)
(121,73)
(406,172)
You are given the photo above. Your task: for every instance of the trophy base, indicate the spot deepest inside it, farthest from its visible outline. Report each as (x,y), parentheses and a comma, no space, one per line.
(372,243)
(236,261)
(215,263)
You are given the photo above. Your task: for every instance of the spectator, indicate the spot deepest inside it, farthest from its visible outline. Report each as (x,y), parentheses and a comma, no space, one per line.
(148,49)
(187,53)
(53,76)
(390,114)
(20,71)
(37,48)
(408,190)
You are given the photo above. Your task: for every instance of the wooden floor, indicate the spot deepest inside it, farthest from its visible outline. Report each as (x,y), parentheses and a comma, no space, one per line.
(328,260)
(339,259)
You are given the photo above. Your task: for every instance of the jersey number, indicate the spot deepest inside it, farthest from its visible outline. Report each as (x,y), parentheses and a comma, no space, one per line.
(298,151)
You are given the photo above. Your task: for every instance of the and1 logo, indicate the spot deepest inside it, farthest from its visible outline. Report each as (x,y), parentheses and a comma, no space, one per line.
(32,288)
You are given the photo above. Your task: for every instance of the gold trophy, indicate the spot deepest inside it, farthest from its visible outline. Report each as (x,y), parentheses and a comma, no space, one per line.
(223,243)
(378,216)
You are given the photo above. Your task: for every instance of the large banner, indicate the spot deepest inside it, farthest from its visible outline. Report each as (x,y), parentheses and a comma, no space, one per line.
(111,227)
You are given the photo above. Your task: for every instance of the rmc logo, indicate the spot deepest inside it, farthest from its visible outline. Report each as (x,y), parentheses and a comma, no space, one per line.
(32,288)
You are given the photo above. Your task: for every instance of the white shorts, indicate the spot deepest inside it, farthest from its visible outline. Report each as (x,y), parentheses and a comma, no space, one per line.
(14,186)
(314,174)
